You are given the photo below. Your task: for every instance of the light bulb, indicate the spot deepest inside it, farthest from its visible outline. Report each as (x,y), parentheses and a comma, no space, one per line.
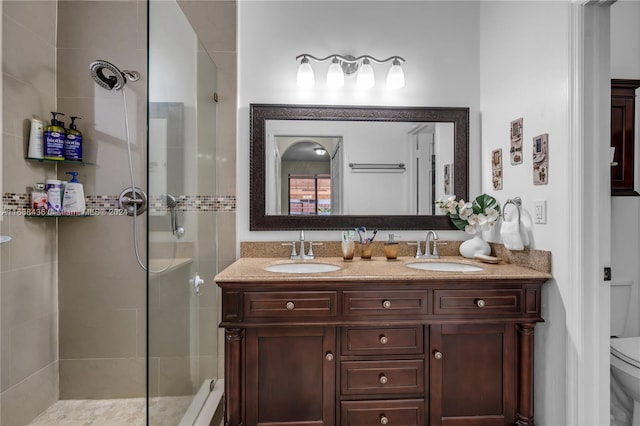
(395,78)
(366,79)
(335,76)
(305,74)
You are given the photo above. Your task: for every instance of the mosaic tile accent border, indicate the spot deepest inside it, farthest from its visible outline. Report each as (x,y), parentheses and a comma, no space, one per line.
(186,203)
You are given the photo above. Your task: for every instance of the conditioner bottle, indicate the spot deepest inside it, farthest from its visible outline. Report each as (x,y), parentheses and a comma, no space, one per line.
(54,137)
(73,142)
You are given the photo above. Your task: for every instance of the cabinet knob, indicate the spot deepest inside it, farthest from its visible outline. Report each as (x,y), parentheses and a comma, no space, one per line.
(437,354)
(386,304)
(384,340)
(329,356)
(481,303)
(384,419)
(291,306)
(383,379)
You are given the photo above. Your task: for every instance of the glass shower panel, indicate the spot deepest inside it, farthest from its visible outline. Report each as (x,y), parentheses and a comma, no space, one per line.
(182,315)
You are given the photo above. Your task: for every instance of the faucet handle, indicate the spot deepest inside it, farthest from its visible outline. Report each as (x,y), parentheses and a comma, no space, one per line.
(293,249)
(418,251)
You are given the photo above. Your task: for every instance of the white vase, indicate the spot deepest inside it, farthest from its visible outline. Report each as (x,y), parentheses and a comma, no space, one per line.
(476,245)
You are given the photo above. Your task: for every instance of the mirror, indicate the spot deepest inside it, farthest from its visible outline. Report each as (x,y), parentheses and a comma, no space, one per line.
(419,154)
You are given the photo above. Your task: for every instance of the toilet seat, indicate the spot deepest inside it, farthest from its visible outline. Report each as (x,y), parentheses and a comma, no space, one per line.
(627,349)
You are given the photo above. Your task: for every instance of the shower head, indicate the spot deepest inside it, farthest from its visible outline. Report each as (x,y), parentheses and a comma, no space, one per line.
(109,77)
(172,205)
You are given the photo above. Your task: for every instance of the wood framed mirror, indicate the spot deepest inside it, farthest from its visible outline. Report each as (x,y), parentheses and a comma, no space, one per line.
(356,135)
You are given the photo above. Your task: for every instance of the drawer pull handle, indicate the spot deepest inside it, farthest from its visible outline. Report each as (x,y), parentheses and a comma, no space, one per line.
(383,379)
(329,356)
(291,306)
(384,419)
(481,303)
(386,304)
(384,340)
(437,354)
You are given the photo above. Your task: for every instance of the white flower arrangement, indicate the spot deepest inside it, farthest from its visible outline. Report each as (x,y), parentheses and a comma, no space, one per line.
(472,217)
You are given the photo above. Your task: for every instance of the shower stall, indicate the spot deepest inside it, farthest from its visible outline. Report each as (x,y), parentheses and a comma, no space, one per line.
(111,316)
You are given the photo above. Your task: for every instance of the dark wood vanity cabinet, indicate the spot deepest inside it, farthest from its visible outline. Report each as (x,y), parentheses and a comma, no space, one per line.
(290,375)
(405,354)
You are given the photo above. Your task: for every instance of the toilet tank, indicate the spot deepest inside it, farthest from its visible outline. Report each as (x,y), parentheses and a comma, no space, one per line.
(620,300)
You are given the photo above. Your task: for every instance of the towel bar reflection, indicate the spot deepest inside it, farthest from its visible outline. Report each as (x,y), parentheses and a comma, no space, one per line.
(517,201)
(377,166)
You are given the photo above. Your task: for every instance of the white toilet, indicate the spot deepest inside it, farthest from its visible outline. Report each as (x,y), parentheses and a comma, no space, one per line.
(625,361)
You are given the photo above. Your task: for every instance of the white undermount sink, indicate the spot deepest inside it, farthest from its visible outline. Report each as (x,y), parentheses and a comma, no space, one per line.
(444,266)
(302,268)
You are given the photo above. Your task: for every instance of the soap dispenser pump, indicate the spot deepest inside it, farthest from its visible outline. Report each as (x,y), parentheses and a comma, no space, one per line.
(391,247)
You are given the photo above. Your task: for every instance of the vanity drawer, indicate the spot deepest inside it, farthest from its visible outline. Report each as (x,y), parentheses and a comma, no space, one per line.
(477,302)
(407,412)
(290,304)
(382,377)
(382,341)
(385,303)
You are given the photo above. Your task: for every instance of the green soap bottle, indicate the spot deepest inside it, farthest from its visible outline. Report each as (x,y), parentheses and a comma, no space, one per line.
(54,137)
(73,142)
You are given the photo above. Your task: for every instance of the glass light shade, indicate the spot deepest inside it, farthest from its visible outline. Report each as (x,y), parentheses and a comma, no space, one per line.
(395,78)
(335,76)
(305,74)
(366,79)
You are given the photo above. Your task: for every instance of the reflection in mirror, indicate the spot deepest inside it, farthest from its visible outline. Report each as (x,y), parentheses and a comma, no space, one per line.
(388,168)
(325,167)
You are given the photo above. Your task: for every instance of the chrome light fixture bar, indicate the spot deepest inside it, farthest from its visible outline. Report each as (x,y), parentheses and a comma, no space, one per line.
(349,65)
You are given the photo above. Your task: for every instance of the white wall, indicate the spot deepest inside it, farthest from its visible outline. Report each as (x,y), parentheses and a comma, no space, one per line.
(524,73)
(625,211)
(438,39)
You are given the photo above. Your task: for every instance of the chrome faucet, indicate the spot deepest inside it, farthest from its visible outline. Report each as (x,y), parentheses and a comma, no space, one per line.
(301,255)
(431,235)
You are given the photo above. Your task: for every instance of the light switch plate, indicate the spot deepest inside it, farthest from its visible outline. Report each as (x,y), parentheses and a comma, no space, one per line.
(540,211)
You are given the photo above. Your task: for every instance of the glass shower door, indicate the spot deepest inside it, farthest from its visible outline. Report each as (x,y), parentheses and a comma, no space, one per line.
(182,314)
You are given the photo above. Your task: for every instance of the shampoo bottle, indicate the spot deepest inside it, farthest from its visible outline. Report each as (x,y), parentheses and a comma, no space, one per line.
(73,199)
(36,137)
(54,137)
(73,142)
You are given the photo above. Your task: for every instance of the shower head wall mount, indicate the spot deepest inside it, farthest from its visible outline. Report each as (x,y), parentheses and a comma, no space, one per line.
(109,77)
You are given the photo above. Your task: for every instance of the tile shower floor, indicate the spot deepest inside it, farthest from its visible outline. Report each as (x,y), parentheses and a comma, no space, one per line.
(114,412)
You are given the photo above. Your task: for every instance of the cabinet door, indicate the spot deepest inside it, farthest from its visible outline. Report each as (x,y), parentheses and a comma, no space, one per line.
(290,376)
(472,374)
(623,100)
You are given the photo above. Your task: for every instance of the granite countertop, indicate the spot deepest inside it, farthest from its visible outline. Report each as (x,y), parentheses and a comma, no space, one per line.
(378,269)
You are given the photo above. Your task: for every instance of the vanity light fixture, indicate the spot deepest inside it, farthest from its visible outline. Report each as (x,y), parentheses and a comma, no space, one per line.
(349,65)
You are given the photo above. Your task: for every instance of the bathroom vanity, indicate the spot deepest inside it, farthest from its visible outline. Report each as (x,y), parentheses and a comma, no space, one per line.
(377,342)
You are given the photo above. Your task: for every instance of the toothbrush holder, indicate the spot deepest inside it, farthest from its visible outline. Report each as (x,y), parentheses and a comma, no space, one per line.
(366,250)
